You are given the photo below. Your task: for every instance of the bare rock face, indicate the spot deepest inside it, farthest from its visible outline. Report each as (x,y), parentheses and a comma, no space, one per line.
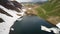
(1,20)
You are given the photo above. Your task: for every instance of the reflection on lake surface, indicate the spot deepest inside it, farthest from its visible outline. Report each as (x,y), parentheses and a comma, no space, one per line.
(30,25)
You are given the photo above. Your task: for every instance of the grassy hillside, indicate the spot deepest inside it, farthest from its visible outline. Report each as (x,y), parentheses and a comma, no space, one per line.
(49,10)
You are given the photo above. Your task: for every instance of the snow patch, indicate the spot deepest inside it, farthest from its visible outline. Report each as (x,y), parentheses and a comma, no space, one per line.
(9,21)
(54,29)
(58,25)
(45,29)
(12,29)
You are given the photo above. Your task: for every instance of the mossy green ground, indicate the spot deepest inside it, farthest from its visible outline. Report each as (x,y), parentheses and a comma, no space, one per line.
(50,8)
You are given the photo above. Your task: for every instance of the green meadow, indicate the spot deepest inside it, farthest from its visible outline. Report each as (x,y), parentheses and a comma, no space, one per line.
(49,9)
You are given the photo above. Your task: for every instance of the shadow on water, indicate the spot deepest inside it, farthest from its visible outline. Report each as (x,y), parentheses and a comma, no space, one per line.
(30,25)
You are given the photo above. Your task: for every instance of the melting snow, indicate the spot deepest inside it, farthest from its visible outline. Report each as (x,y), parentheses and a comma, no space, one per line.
(54,29)
(9,21)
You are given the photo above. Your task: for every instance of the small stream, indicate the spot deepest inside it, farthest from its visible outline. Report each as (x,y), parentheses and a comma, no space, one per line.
(30,25)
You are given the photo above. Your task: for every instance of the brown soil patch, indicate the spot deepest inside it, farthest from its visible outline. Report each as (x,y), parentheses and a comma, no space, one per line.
(54,20)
